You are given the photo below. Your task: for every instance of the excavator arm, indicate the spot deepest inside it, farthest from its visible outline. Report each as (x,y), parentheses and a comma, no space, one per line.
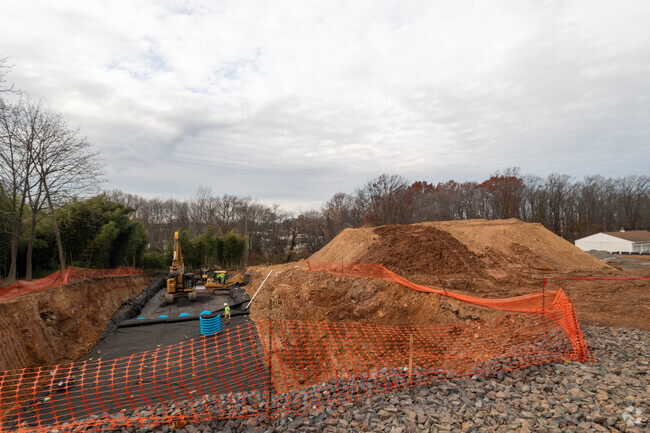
(177,282)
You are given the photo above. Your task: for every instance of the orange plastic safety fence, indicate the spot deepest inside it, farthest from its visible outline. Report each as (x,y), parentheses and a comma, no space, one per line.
(271,369)
(552,303)
(283,368)
(61,278)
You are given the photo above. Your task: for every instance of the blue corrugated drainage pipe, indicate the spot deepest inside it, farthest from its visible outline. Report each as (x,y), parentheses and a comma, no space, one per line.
(210,326)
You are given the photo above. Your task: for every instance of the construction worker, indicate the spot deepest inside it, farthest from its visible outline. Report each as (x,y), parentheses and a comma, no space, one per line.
(221,277)
(226,312)
(64,384)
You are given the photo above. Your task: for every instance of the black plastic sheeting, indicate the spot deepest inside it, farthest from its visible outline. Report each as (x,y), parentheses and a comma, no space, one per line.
(239,299)
(132,308)
(125,335)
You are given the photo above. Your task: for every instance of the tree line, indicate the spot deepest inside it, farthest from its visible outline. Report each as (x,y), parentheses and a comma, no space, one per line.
(207,250)
(568,207)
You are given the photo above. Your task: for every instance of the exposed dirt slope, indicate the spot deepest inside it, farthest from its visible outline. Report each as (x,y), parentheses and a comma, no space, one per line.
(348,246)
(526,245)
(292,292)
(60,324)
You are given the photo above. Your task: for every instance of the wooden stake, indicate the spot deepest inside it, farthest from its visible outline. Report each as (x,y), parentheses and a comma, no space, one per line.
(411,358)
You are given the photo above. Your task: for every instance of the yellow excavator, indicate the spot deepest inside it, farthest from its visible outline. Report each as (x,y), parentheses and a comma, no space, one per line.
(178,282)
(219,281)
(205,273)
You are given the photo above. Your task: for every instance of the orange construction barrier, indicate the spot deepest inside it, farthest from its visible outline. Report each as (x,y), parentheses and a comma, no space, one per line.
(273,368)
(61,278)
(551,303)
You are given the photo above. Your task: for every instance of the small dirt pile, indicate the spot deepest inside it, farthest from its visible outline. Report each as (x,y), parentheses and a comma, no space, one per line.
(409,250)
(426,255)
(348,246)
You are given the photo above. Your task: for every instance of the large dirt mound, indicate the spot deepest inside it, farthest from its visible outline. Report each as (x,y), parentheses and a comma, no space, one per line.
(489,258)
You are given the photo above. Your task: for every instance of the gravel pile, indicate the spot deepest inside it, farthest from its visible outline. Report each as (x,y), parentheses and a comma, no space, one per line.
(612,394)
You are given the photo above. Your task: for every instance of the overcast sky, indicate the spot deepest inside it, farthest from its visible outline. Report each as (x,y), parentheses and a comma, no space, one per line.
(293,101)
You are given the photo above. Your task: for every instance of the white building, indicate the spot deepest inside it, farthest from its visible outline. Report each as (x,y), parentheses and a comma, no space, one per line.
(617,242)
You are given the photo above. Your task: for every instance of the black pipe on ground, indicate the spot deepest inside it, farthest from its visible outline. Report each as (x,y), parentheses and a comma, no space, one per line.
(131,323)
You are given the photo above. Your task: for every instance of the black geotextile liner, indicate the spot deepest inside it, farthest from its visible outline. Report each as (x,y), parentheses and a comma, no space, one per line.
(231,360)
(239,300)
(132,308)
(124,334)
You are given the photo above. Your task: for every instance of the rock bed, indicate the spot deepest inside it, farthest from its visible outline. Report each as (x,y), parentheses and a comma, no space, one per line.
(612,394)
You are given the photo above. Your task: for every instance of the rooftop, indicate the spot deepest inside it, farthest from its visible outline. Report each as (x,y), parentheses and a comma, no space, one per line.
(633,236)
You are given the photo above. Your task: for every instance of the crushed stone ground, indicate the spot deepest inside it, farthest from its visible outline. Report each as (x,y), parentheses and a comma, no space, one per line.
(610,395)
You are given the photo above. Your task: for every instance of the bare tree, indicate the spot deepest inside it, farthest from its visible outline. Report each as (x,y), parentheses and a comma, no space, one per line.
(14,160)
(340,213)
(384,200)
(16,166)
(226,212)
(66,165)
(5,88)
(632,190)
(472,201)
(200,209)
(558,189)
(36,121)
(590,205)
(242,210)
(306,234)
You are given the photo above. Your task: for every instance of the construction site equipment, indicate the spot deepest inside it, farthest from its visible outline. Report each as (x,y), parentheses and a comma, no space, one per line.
(220,281)
(205,273)
(178,282)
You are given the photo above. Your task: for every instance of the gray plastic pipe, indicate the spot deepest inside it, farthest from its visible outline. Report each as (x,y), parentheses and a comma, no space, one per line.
(258,289)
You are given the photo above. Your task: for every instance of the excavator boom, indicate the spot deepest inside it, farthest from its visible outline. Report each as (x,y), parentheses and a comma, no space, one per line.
(178,282)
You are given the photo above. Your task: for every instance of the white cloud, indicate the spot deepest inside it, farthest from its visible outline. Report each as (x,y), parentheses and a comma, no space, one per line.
(292,101)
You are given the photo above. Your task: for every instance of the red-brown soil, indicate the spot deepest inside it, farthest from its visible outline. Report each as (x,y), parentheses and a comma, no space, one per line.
(61,324)
(492,259)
